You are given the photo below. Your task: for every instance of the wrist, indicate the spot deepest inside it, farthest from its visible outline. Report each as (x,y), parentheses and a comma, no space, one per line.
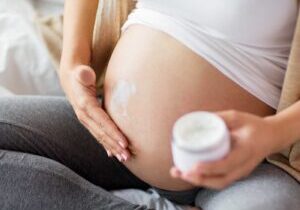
(282,136)
(66,69)
(71,59)
(65,76)
(68,65)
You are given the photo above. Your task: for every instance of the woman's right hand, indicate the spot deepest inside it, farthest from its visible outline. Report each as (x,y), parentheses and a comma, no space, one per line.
(80,88)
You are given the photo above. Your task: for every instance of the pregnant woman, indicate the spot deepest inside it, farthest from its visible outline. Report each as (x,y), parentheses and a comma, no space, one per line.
(174,57)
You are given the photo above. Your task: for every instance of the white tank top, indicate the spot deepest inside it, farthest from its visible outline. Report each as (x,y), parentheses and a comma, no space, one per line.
(248,40)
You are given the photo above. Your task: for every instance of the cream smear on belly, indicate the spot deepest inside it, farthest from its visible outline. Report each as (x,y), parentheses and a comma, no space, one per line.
(121,94)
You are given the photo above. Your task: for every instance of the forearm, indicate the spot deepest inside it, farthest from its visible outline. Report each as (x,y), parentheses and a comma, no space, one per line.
(287,126)
(79,19)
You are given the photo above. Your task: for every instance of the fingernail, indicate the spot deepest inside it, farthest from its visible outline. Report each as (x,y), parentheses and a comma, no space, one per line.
(122,145)
(108,153)
(124,157)
(176,172)
(119,158)
(185,175)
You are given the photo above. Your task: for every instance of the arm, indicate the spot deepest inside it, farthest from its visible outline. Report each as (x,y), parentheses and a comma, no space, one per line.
(79,19)
(286,126)
(78,79)
(253,139)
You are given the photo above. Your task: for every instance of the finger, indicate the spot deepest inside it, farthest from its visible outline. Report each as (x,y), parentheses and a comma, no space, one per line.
(104,139)
(100,128)
(103,120)
(106,147)
(231,118)
(221,181)
(109,154)
(236,157)
(90,104)
(176,173)
(126,154)
(99,137)
(113,131)
(114,148)
(214,182)
(85,75)
(110,150)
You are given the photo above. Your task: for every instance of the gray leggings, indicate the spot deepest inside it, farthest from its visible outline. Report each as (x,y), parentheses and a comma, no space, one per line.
(48,160)
(267,188)
(47,127)
(30,182)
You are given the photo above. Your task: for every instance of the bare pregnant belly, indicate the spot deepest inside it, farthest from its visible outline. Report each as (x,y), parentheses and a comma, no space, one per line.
(151,80)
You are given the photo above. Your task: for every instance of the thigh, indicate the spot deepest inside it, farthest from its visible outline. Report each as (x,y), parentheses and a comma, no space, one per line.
(267,188)
(33,182)
(47,126)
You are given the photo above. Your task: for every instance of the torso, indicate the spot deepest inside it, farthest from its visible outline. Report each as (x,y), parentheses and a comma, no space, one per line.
(248,41)
(166,80)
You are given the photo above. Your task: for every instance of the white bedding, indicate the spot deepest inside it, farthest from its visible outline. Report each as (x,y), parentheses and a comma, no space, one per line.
(25,68)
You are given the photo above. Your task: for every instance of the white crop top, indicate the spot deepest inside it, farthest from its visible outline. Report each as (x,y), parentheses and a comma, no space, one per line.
(247,40)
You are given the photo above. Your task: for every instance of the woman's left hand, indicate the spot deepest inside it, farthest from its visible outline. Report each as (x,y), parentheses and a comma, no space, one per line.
(252,139)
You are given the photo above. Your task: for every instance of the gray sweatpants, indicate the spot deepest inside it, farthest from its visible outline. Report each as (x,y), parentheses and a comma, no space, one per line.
(49,161)
(267,188)
(33,182)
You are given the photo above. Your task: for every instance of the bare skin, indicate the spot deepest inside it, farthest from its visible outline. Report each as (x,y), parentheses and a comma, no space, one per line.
(170,81)
(161,67)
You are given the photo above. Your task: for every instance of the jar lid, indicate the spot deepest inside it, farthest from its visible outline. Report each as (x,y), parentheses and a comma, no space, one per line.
(200,131)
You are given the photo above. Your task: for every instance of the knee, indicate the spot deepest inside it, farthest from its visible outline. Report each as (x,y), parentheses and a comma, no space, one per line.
(15,129)
(269,188)
(250,201)
(12,109)
(4,107)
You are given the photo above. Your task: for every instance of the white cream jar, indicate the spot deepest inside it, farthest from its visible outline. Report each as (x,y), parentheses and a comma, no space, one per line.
(199,136)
